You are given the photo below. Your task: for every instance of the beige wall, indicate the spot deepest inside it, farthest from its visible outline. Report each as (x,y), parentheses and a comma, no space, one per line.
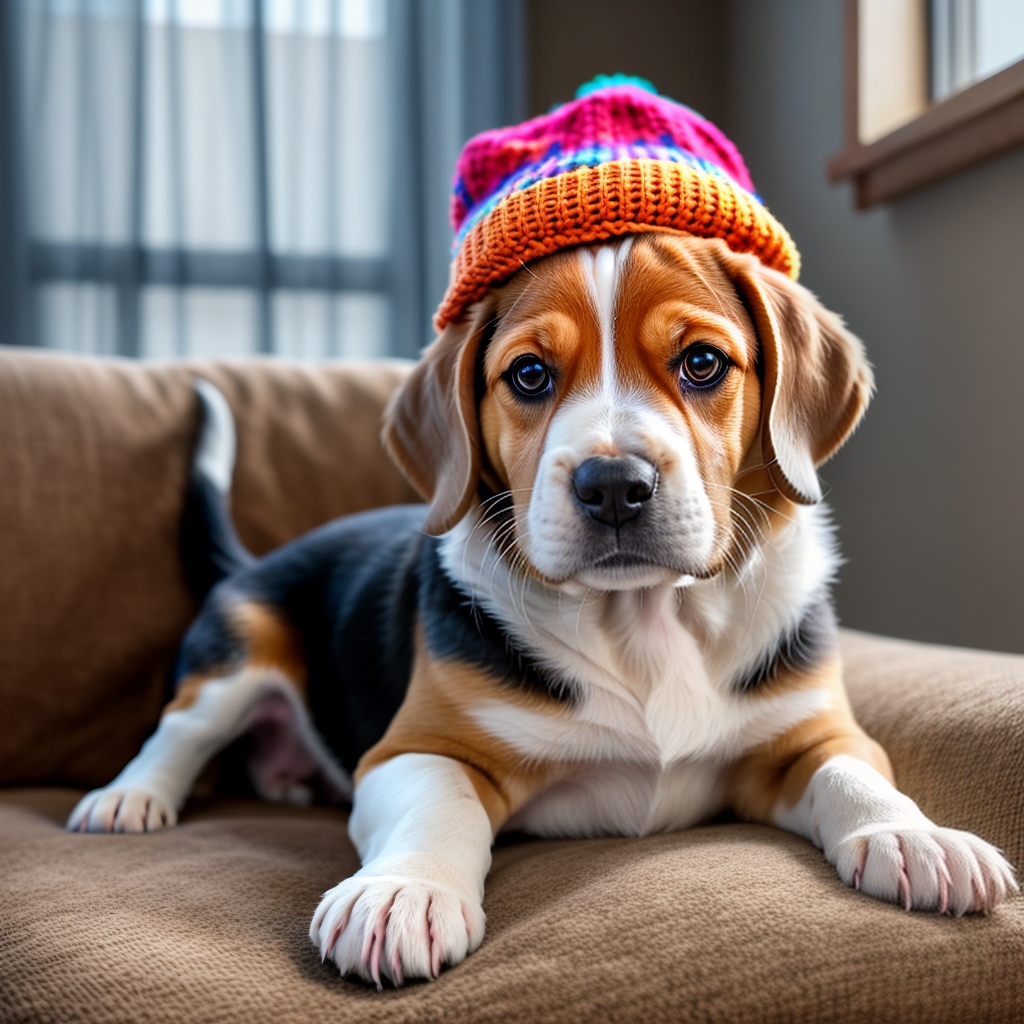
(929,495)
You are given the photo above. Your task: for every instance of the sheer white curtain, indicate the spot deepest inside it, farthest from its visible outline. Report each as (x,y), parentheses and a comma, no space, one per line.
(201,177)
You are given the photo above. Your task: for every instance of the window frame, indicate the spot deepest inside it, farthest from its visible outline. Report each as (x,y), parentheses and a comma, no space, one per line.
(972,126)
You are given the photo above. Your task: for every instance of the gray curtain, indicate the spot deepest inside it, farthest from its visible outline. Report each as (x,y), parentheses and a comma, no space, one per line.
(201,177)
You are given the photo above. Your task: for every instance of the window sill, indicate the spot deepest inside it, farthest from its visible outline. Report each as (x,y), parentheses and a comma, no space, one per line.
(972,126)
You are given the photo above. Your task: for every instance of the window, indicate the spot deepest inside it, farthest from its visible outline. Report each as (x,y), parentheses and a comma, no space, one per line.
(972,39)
(226,177)
(932,88)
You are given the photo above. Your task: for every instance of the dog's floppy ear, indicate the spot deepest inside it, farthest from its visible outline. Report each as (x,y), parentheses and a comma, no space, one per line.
(430,425)
(817,380)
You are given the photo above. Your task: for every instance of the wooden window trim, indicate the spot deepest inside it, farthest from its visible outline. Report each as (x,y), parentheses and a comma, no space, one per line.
(980,122)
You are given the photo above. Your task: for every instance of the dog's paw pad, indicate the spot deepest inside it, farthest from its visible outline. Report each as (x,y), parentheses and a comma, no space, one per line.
(394,929)
(121,809)
(925,868)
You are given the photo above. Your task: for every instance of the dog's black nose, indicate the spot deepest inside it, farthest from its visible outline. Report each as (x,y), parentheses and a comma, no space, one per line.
(614,490)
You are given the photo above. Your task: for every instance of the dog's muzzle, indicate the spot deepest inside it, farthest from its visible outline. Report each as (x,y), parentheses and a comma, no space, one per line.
(614,490)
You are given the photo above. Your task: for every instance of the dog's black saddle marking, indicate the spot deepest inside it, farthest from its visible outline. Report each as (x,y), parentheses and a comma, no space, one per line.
(457,628)
(355,590)
(798,649)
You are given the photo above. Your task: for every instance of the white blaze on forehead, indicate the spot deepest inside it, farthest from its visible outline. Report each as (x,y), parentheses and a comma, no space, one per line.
(601,270)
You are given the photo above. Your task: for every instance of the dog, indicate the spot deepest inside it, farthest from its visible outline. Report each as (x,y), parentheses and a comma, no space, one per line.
(612,618)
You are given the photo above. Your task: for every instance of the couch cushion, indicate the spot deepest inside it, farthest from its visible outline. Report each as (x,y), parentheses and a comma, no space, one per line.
(208,922)
(93,462)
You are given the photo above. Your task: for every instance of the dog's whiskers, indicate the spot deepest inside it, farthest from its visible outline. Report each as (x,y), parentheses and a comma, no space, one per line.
(763,507)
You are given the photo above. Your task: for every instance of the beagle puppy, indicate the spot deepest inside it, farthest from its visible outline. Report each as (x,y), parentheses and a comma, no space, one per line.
(612,618)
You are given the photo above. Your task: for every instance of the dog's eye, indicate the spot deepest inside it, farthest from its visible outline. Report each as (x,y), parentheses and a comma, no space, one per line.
(702,366)
(529,377)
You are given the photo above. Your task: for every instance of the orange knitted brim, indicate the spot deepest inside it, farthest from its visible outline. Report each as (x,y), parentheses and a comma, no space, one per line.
(615,198)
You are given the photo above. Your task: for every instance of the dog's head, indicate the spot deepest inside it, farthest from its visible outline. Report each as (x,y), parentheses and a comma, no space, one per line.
(621,398)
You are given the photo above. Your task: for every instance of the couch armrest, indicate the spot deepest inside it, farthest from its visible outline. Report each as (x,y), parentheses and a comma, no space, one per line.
(952,720)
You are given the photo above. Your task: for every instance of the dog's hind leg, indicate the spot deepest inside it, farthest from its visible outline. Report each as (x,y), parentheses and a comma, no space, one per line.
(206,715)
(243,672)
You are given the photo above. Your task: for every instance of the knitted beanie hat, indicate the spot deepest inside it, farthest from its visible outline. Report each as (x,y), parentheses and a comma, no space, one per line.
(618,159)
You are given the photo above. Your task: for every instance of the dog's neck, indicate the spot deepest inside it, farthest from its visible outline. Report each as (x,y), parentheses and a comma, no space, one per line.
(633,634)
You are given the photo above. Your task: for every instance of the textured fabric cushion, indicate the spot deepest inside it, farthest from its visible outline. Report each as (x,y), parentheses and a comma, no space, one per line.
(727,922)
(93,461)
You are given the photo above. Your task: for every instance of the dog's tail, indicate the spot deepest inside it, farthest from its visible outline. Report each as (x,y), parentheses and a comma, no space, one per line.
(210,547)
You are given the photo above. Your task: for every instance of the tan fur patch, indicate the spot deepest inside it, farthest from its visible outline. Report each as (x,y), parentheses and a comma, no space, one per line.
(436,718)
(269,641)
(779,771)
(188,691)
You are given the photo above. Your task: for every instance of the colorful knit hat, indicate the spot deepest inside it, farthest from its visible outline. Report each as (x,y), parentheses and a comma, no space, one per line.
(618,159)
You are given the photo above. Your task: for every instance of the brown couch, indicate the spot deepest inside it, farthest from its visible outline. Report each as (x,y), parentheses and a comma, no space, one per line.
(208,921)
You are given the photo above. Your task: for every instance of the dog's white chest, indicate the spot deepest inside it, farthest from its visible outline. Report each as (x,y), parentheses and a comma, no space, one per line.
(658,718)
(645,746)
(617,798)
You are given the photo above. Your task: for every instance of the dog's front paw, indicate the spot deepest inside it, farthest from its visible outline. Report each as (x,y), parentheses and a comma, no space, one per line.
(395,927)
(121,809)
(924,867)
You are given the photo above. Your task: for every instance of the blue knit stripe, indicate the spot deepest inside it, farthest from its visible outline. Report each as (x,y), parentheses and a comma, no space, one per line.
(556,161)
